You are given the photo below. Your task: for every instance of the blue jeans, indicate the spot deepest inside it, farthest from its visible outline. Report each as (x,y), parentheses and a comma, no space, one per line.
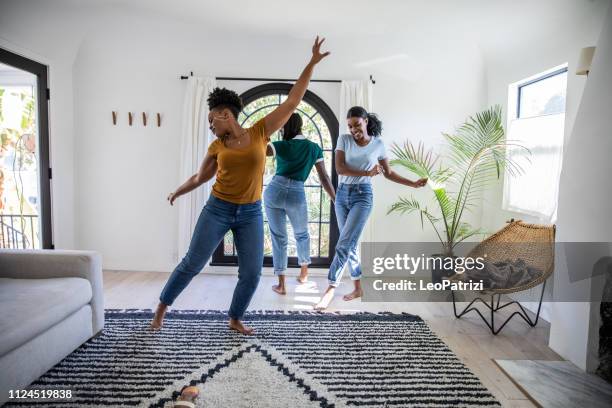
(217,217)
(353,207)
(284,198)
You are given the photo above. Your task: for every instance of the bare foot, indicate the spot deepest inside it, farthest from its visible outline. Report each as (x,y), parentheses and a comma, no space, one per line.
(303,278)
(356,293)
(237,325)
(326,299)
(280,288)
(158,319)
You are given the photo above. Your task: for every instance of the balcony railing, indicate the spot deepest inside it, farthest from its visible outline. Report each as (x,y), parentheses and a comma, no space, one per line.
(19,231)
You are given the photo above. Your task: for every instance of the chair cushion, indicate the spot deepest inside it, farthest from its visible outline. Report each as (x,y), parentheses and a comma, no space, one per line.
(31,306)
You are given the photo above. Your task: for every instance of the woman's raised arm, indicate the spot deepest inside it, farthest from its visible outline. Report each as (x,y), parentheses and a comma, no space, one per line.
(277,118)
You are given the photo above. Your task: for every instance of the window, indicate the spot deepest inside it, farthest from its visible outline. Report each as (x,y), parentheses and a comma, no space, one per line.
(536,120)
(543,96)
(321,127)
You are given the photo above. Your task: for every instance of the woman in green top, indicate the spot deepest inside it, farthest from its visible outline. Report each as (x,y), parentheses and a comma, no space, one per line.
(285,197)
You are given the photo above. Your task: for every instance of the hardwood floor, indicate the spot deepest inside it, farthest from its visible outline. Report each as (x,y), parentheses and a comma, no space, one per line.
(468,337)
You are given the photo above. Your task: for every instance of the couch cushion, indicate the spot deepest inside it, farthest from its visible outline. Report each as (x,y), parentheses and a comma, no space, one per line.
(31,306)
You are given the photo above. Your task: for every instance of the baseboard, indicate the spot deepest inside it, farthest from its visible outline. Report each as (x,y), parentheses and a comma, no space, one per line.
(232,270)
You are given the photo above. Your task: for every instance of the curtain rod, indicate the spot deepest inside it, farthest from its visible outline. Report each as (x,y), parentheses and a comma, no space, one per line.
(272,79)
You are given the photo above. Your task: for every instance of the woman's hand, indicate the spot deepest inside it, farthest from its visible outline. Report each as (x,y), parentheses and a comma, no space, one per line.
(317,56)
(375,171)
(172,197)
(419,183)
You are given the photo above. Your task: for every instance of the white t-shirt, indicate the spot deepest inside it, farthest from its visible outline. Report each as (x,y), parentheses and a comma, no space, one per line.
(360,157)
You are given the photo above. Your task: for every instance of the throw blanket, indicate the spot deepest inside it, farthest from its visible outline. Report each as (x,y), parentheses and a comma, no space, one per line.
(502,274)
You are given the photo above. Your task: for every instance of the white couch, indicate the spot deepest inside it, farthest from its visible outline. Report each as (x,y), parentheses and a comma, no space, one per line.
(51,302)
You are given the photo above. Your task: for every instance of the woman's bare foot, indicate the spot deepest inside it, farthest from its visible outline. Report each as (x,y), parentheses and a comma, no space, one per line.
(303,278)
(158,319)
(237,325)
(325,299)
(280,288)
(356,293)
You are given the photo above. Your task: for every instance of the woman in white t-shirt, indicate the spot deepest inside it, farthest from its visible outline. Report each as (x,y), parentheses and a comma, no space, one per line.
(360,156)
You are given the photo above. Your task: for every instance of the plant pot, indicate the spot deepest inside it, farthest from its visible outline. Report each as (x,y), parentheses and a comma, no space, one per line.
(439,273)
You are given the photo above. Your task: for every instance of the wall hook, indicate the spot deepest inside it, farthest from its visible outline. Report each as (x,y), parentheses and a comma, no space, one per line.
(158,120)
(130,118)
(114,118)
(144,119)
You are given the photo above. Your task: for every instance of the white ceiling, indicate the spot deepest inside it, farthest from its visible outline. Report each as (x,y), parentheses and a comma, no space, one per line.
(400,29)
(490,23)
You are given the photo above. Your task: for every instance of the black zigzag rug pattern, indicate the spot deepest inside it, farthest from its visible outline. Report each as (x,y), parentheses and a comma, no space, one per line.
(334,360)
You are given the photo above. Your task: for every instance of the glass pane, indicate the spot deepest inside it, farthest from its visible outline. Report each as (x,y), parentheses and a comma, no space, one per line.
(306,108)
(313,229)
(544,97)
(324,240)
(251,120)
(313,196)
(313,178)
(260,103)
(267,240)
(270,169)
(19,190)
(327,155)
(228,244)
(291,247)
(326,207)
(310,131)
(325,135)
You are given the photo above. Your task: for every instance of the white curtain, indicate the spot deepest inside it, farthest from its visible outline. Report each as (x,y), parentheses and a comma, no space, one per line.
(535,192)
(194,144)
(354,93)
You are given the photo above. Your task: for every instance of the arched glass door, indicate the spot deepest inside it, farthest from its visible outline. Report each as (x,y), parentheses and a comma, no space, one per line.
(320,126)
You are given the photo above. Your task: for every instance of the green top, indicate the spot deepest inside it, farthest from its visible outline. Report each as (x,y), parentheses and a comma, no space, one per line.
(295,157)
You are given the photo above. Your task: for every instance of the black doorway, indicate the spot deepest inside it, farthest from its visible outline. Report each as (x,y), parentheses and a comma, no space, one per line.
(28,224)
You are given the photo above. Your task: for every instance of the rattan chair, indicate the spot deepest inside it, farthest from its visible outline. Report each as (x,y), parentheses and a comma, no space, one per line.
(535,244)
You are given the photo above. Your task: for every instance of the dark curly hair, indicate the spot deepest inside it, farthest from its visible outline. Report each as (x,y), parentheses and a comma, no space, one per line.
(374,124)
(293,127)
(221,98)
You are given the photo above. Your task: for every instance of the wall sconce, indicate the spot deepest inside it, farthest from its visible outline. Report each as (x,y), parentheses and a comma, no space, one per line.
(584,62)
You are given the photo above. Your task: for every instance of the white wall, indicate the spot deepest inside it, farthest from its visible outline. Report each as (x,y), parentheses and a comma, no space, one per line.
(24,31)
(111,181)
(561,45)
(123,174)
(584,206)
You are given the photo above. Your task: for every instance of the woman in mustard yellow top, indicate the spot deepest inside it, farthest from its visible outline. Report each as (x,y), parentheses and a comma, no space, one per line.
(238,159)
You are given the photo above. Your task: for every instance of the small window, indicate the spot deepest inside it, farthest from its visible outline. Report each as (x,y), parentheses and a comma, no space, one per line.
(543,96)
(536,131)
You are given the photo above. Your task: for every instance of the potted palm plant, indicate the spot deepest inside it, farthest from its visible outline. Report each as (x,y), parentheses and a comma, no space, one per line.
(476,158)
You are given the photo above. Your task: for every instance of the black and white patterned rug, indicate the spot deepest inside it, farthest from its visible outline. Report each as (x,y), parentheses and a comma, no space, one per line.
(296,359)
